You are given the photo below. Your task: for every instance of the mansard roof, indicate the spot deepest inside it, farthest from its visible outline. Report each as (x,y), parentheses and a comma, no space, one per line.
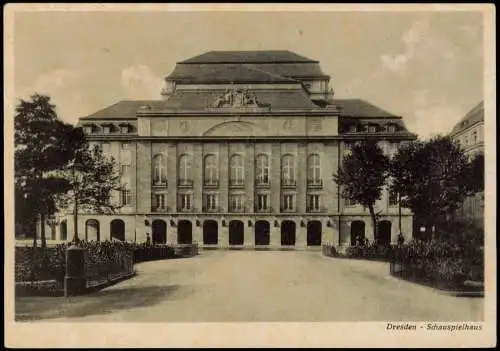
(125,109)
(281,64)
(472,117)
(255,56)
(236,73)
(360,108)
(199,100)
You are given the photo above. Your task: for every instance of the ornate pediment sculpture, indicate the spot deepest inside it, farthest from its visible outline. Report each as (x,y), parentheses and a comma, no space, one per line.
(238,98)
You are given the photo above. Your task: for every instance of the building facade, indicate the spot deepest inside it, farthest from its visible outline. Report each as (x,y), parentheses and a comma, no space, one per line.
(240,151)
(468,133)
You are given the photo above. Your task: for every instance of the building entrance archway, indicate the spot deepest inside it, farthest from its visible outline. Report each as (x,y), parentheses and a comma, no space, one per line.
(117,229)
(63,229)
(236,233)
(92,230)
(184,232)
(159,232)
(262,236)
(384,233)
(313,233)
(357,232)
(210,232)
(288,233)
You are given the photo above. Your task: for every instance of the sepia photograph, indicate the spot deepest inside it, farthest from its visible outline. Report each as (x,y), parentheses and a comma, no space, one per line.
(250,175)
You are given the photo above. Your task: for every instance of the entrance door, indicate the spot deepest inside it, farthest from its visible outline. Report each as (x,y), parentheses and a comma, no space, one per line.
(92,230)
(210,232)
(184,232)
(236,233)
(384,233)
(287,233)
(262,233)
(159,235)
(313,233)
(117,228)
(357,232)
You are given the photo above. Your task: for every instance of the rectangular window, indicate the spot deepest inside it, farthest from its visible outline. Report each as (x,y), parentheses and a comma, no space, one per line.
(237,202)
(372,129)
(106,129)
(353,129)
(211,202)
(185,202)
(314,203)
(288,202)
(262,202)
(124,129)
(159,201)
(125,197)
(87,129)
(125,146)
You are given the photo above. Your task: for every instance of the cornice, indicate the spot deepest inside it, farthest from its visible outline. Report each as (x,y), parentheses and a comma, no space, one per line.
(301,138)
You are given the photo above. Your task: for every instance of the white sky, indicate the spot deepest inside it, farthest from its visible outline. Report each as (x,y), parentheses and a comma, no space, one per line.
(424,66)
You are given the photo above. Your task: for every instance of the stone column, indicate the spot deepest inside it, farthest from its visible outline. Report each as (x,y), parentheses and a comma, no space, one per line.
(275,233)
(300,234)
(197,170)
(223,178)
(172,177)
(249,237)
(249,173)
(275,174)
(172,231)
(301,169)
(144,177)
(223,239)
(198,232)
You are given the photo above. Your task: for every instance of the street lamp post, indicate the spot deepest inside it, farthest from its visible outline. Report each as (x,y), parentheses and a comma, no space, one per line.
(75,189)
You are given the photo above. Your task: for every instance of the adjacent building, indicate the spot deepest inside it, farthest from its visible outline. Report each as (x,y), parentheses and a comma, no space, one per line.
(469,131)
(469,134)
(240,151)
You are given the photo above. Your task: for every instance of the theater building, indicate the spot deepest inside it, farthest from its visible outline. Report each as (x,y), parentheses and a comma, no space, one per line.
(240,151)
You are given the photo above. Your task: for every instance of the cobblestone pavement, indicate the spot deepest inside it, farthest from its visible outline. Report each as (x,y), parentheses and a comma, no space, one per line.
(267,286)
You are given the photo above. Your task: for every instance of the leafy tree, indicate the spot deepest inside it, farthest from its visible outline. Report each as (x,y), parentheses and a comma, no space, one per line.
(362,176)
(93,178)
(43,145)
(476,174)
(432,178)
(401,173)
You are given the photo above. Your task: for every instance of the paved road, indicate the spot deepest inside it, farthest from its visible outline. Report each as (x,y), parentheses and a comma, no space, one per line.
(233,286)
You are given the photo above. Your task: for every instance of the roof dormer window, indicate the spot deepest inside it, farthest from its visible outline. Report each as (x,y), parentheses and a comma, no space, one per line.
(88,128)
(107,128)
(391,128)
(124,128)
(353,128)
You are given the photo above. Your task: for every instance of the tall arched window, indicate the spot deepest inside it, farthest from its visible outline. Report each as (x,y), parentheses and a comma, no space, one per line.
(313,169)
(211,169)
(159,173)
(185,176)
(262,171)
(236,169)
(288,170)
